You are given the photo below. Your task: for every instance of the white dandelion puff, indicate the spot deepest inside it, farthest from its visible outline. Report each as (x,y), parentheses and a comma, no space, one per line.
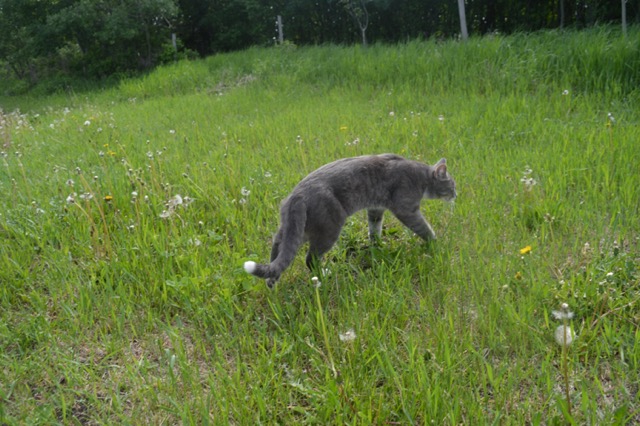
(347,336)
(563,314)
(316,282)
(564,335)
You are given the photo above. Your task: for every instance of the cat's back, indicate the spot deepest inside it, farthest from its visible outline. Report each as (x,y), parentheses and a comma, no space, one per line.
(353,168)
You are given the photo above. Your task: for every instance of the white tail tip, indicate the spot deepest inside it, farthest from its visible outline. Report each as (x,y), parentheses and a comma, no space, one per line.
(250,266)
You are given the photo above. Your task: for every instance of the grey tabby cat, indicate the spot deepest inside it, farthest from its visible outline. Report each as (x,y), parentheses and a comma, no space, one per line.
(319,205)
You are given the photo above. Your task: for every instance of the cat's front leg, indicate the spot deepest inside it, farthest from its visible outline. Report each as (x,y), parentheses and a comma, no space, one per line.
(375,223)
(414,220)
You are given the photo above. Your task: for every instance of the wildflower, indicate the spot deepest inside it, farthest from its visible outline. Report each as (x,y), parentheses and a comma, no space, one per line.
(101,154)
(565,92)
(528,183)
(392,114)
(71,198)
(87,123)
(173,132)
(267,175)
(564,335)
(108,198)
(441,118)
(611,118)
(70,182)
(175,201)
(518,275)
(166,214)
(525,250)
(245,192)
(563,314)
(347,336)
(316,282)
(86,196)
(343,128)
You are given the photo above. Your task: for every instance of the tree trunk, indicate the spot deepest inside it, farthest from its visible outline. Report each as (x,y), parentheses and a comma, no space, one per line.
(463,20)
(624,17)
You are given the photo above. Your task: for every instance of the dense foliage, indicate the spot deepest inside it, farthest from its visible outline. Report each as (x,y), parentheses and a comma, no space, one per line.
(88,38)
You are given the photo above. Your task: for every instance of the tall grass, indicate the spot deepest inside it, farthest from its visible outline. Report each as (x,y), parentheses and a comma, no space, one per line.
(127,213)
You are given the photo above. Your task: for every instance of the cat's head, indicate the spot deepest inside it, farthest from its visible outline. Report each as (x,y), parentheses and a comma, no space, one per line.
(441,185)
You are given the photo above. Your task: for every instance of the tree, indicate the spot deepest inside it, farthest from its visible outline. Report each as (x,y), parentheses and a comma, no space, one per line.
(357,9)
(463,20)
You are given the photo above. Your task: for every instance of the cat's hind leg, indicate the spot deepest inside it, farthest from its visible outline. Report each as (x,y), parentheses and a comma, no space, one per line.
(275,248)
(322,238)
(375,223)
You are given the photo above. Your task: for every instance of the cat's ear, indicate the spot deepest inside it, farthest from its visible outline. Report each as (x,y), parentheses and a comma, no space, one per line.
(440,171)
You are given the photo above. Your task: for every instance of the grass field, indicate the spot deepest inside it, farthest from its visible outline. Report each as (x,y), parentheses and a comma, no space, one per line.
(127,213)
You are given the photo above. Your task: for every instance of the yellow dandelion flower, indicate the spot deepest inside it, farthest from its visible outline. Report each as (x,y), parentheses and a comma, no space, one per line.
(108,198)
(525,250)
(518,276)
(343,128)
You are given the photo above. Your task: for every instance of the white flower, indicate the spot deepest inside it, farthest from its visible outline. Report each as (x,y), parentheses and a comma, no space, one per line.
(173,132)
(87,123)
(316,282)
(565,92)
(166,214)
(611,118)
(441,117)
(71,198)
(564,335)
(245,192)
(563,314)
(347,336)
(392,114)
(175,201)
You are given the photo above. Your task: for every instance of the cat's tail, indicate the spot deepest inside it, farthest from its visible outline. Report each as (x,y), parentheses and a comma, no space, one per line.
(289,238)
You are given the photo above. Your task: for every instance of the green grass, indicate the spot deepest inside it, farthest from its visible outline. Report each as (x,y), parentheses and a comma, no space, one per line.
(110,313)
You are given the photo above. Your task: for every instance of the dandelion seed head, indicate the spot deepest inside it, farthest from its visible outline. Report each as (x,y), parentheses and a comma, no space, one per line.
(564,335)
(563,314)
(347,336)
